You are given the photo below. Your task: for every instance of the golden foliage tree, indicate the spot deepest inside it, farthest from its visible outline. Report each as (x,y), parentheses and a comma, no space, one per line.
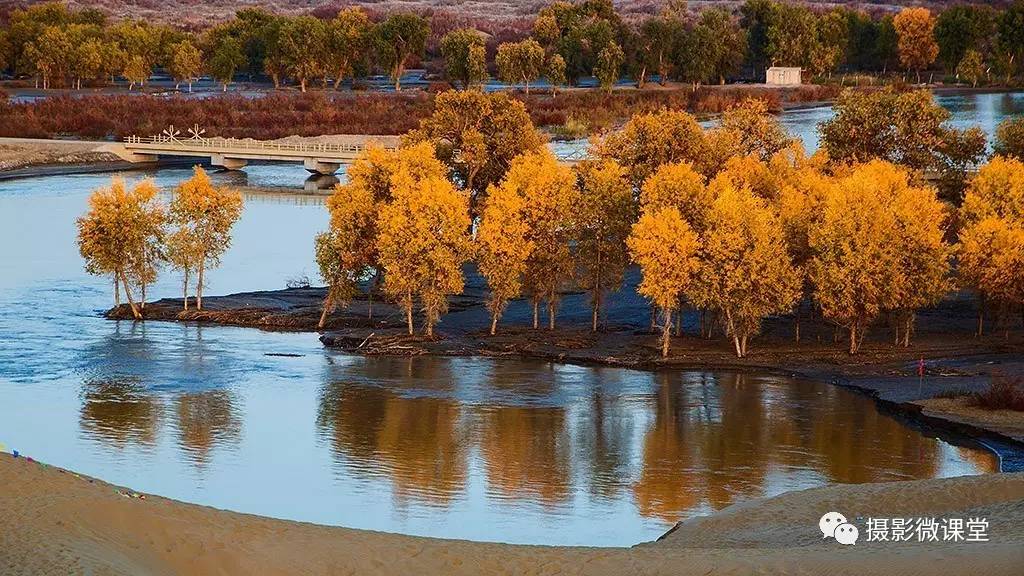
(665,248)
(121,235)
(877,247)
(423,243)
(759,132)
(551,200)
(746,273)
(650,140)
(503,247)
(678,185)
(606,213)
(206,213)
(346,252)
(991,247)
(915,31)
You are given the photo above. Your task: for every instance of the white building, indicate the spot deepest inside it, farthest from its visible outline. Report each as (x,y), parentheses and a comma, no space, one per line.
(782,76)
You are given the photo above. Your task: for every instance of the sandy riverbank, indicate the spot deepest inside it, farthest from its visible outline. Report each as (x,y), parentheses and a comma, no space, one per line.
(55,522)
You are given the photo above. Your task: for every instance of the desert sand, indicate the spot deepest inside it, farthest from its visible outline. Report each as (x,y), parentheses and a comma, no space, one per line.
(56,522)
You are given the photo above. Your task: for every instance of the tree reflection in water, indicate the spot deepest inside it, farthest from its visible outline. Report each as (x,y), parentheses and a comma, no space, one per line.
(119,412)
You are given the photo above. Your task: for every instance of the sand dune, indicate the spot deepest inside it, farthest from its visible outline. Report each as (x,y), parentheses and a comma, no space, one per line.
(55,522)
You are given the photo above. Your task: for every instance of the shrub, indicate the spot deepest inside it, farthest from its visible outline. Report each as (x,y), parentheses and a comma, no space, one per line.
(1004,393)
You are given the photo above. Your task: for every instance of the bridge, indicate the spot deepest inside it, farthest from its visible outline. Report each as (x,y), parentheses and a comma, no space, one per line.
(320,158)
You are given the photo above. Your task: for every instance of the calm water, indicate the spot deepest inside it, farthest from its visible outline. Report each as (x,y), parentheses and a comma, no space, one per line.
(471,448)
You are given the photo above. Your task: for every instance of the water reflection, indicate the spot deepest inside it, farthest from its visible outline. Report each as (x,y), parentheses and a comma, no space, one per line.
(119,412)
(710,440)
(206,420)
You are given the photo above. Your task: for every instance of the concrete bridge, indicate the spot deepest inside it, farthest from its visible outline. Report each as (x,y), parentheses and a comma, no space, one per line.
(232,154)
(320,158)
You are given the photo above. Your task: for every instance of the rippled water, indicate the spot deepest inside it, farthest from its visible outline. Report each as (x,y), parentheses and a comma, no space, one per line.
(472,448)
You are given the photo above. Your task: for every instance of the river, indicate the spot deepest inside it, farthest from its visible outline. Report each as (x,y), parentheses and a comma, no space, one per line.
(482,449)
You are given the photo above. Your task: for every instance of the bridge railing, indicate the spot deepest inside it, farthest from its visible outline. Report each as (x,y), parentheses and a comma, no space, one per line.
(220,144)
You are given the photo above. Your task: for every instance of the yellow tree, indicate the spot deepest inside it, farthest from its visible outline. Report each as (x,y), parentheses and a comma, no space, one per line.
(679,186)
(992,235)
(665,248)
(346,252)
(746,273)
(923,268)
(120,236)
(650,140)
(551,200)
(605,215)
(759,132)
(915,32)
(859,246)
(182,253)
(423,243)
(207,213)
(503,246)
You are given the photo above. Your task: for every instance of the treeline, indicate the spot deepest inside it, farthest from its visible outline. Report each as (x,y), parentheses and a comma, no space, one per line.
(568,41)
(733,221)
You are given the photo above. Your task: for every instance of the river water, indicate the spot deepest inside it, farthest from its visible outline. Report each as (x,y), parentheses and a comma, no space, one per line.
(482,449)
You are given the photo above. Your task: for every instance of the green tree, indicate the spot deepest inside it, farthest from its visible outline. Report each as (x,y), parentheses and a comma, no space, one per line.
(609,65)
(971,67)
(462,62)
(347,41)
(959,29)
(302,45)
(554,71)
(399,39)
(659,37)
(792,35)
(1010,138)
(477,135)
(520,62)
(185,64)
(225,59)
(1009,44)
(729,46)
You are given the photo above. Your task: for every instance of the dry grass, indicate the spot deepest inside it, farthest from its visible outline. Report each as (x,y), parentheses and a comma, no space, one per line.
(1005,393)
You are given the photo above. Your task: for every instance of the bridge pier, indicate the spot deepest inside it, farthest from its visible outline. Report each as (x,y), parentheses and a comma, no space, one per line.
(228,163)
(321,167)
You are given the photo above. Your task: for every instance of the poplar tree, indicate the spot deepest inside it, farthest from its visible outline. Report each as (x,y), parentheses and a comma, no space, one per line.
(551,198)
(605,216)
(915,30)
(423,243)
(120,235)
(503,246)
(665,248)
(206,213)
(746,272)
(520,62)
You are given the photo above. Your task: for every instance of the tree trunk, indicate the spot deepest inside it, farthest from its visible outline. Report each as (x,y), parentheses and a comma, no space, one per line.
(302,85)
(981,317)
(184,289)
(189,86)
(536,314)
(142,303)
(551,314)
(853,338)
(199,283)
(494,323)
(641,78)
(430,325)
(277,81)
(225,87)
(666,331)
(131,301)
(408,313)
(328,304)
(117,291)
(736,344)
